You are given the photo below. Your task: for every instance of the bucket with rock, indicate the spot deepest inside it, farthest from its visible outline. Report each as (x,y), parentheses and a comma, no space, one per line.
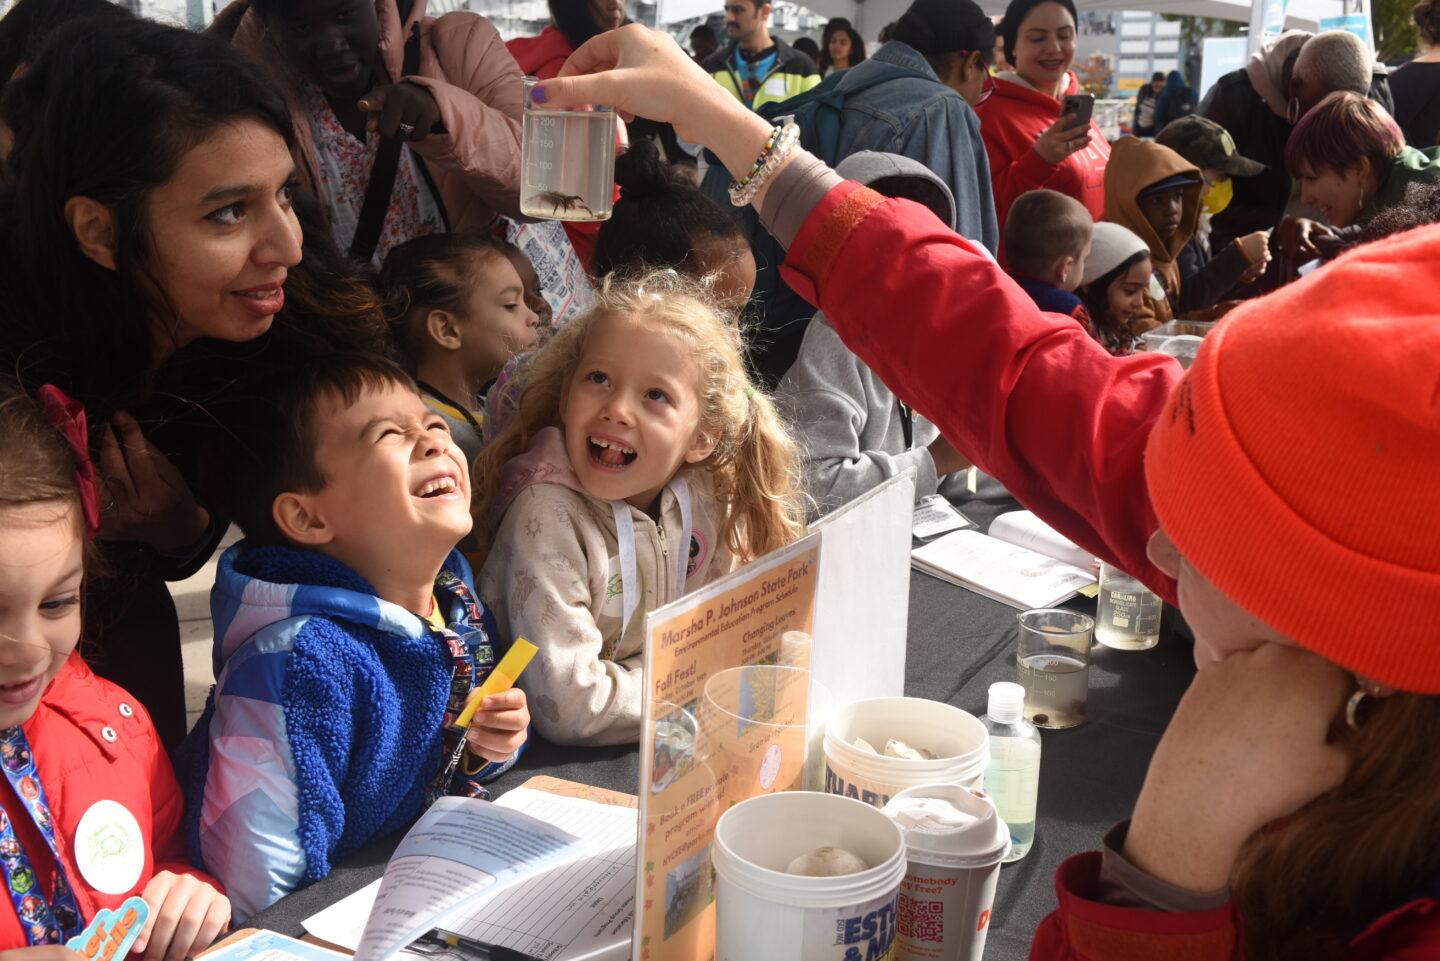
(806,875)
(879,746)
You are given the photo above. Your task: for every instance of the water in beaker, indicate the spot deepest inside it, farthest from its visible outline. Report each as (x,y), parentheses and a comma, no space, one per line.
(569,161)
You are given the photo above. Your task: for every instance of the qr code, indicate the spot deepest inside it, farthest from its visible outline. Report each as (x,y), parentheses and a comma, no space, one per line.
(922,920)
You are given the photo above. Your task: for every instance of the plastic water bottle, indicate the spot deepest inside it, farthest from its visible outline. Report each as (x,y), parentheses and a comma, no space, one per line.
(1013,778)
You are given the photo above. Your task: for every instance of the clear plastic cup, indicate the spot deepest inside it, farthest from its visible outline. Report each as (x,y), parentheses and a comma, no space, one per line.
(755,723)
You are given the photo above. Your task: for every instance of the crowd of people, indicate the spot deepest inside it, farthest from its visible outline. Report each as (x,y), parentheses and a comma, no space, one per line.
(276,276)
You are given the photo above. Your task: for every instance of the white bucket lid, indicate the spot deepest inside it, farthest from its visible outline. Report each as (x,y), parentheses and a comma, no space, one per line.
(980,840)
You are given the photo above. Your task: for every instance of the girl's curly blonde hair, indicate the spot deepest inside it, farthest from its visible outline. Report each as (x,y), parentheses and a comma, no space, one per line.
(754,464)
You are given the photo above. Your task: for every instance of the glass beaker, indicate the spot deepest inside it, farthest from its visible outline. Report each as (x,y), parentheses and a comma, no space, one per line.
(568,170)
(1053,665)
(1127,616)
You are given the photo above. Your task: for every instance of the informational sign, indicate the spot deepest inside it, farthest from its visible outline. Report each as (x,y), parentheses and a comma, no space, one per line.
(1219,56)
(726,718)
(1272,22)
(1356,23)
(864,596)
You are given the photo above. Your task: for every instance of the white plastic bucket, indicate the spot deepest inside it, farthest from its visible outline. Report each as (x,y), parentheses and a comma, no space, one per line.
(958,740)
(765,914)
(949,885)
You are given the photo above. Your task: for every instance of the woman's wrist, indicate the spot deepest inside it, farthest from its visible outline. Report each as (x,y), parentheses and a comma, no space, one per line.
(738,139)
(1171,844)
(1040,155)
(789,198)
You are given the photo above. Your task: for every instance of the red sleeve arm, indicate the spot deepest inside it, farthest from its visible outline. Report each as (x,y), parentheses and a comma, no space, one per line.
(1029,397)
(1084,930)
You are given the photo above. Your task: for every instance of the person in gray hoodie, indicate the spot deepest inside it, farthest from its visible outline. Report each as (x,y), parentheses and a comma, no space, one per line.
(853,430)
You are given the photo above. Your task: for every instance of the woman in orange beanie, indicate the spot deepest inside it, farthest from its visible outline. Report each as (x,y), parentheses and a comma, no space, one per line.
(1290,511)
(1298,785)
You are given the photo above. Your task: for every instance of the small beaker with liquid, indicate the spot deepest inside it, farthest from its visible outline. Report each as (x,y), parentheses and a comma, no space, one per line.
(569,161)
(1053,661)
(1127,616)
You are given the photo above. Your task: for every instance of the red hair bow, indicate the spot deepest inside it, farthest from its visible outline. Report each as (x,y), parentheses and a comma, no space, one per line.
(68,416)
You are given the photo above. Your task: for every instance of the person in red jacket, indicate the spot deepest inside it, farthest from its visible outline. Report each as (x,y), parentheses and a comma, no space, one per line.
(1300,765)
(1030,144)
(91,809)
(575,21)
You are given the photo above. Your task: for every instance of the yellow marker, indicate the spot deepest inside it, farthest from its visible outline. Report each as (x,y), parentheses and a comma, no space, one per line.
(502,678)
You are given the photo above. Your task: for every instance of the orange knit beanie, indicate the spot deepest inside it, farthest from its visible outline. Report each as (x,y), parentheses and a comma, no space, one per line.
(1298,467)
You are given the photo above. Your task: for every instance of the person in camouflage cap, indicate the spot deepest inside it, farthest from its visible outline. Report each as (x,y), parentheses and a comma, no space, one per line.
(1207,276)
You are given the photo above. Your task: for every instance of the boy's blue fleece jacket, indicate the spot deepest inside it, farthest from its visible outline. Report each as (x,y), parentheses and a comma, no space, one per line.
(323,728)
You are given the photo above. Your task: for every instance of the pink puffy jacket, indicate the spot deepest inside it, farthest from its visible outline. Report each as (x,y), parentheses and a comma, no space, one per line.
(475,164)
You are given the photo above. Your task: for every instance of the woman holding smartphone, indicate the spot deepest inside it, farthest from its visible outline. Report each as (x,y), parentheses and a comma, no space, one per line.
(1036,124)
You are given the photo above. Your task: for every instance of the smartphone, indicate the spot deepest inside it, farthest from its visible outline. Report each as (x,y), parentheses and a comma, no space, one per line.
(1082,105)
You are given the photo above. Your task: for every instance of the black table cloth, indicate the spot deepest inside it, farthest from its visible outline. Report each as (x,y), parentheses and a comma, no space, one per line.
(959,643)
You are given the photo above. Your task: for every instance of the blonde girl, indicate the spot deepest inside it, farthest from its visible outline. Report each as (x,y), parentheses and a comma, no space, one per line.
(641,464)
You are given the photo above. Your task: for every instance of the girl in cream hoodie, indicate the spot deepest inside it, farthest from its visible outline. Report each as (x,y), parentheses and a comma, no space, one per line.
(641,464)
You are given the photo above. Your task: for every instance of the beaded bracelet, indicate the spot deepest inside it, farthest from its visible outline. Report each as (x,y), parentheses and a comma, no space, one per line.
(770,142)
(777,148)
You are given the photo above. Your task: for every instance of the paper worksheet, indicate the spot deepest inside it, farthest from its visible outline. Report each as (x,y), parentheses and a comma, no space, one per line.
(459,848)
(1027,530)
(1000,570)
(271,946)
(582,910)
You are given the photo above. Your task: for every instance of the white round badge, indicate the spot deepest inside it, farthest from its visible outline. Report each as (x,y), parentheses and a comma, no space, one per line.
(109,848)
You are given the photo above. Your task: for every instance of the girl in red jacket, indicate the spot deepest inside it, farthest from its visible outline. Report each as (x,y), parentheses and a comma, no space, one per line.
(91,810)
(1290,512)
(1030,144)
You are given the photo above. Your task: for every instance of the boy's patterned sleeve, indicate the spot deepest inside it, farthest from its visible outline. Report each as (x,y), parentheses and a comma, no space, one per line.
(167,839)
(537,580)
(246,819)
(467,776)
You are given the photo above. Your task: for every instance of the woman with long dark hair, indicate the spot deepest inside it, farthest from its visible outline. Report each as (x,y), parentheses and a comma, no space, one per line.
(29,23)
(1416,85)
(150,237)
(1030,144)
(844,48)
